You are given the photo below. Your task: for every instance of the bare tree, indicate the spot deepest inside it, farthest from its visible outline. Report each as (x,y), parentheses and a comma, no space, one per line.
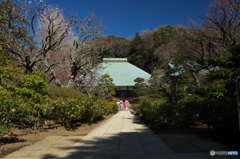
(114,46)
(85,54)
(54,36)
(20,34)
(219,29)
(16,37)
(210,37)
(223,16)
(40,36)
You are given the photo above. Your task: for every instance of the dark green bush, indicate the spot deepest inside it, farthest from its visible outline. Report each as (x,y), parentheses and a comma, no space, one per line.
(189,110)
(219,113)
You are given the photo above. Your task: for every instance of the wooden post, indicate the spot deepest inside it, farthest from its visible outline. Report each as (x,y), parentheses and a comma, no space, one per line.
(238,99)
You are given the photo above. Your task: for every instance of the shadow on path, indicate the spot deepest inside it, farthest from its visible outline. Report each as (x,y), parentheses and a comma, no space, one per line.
(124,136)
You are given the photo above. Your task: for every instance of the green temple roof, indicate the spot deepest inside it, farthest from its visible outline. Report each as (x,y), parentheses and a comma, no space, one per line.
(122,72)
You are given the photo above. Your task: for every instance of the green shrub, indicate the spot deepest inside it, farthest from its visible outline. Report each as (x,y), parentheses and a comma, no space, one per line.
(149,109)
(56,92)
(220,113)
(73,111)
(168,113)
(3,128)
(96,107)
(21,96)
(68,112)
(136,108)
(211,91)
(189,110)
(24,102)
(156,111)
(113,107)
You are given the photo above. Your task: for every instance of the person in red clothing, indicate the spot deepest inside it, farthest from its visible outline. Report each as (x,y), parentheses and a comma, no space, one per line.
(126,104)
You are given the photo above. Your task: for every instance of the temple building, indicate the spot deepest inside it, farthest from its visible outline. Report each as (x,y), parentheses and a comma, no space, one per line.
(123,74)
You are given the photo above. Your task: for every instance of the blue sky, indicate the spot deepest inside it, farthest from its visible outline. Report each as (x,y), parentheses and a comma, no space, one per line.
(127,17)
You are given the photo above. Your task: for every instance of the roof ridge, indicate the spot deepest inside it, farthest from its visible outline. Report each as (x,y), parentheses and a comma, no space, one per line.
(115,59)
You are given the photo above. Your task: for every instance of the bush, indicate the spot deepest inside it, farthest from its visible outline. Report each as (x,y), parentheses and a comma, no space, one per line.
(113,107)
(56,92)
(149,109)
(73,111)
(24,102)
(21,96)
(136,108)
(211,91)
(67,111)
(219,113)
(156,111)
(168,113)
(189,110)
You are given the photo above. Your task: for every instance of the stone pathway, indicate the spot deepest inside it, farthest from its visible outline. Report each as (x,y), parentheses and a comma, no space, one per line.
(122,136)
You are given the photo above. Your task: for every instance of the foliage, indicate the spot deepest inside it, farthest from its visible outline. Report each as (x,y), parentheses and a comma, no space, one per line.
(188,111)
(165,87)
(218,113)
(211,91)
(227,70)
(149,109)
(136,47)
(106,86)
(34,81)
(73,111)
(156,111)
(21,96)
(136,108)
(25,103)
(4,59)
(64,92)
(136,41)
(163,35)
(140,86)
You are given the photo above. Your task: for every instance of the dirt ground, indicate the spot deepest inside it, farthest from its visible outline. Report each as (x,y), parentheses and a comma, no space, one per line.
(22,138)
